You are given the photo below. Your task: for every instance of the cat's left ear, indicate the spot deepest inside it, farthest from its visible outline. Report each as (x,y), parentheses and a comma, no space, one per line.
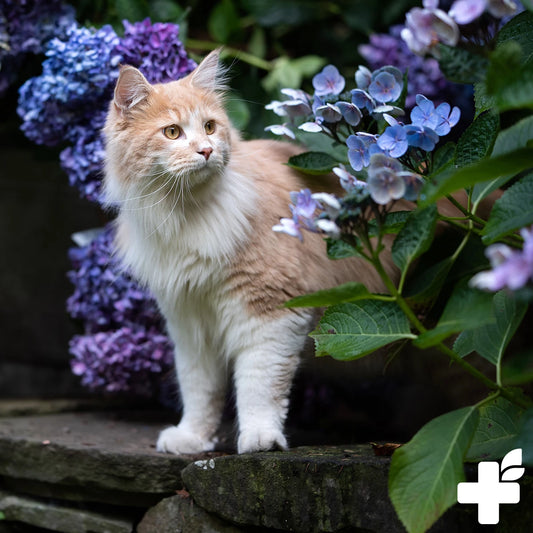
(210,74)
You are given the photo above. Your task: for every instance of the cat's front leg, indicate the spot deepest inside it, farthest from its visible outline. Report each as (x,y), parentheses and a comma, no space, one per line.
(263,378)
(202,385)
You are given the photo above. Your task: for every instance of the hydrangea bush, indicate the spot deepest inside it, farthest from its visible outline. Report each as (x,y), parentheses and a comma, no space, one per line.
(461,303)
(124,346)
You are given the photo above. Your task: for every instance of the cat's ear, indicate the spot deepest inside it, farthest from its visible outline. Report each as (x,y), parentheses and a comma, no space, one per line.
(210,74)
(131,88)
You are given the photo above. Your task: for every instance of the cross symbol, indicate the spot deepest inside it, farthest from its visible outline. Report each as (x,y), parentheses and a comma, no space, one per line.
(488,492)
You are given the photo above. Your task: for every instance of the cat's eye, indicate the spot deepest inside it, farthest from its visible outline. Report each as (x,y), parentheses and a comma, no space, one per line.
(172,132)
(210,127)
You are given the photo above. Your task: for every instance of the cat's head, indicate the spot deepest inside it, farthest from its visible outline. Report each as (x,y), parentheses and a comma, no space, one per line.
(176,130)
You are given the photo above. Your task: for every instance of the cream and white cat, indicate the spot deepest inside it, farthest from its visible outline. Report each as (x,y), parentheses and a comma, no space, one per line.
(196,210)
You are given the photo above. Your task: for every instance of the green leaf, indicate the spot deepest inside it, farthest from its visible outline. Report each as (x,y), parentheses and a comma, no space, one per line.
(288,72)
(518,369)
(490,341)
(337,249)
(425,287)
(487,169)
(466,309)
(524,439)
(443,156)
(518,30)
(166,11)
(347,292)
(498,426)
(483,102)
(528,4)
(477,140)
(352,330)
(223,21)
(461,65)
(314,163)
(509,80)
(131,10)
(424,473)
(511,211)
(394,222)
(415,237)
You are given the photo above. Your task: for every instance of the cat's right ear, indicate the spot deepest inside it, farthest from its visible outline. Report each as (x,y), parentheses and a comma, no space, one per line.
(131,88)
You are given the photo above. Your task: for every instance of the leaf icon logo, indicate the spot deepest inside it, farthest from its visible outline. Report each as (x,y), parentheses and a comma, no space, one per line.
(511,467)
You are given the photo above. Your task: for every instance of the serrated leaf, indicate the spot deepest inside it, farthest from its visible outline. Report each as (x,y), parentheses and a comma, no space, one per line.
(415,237)
(509,79)
(352,330)
(429,282)
(466,309)
(461,65)
(338,249)
(497,429)
(524,439)
(347,292)
(516,136)
(491,341)
(394,222)
(483,102)
(223,21)
(314,163)
(424,473)
(477,140)
(443,156)
(518,29)
(511,211)
(485,170)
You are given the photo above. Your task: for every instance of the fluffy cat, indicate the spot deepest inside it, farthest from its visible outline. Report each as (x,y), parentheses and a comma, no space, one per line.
(196,210)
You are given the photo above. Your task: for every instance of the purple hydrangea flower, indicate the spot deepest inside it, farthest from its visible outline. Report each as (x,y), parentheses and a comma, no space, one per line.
(128,359)
(329,81)
(155,49)
(290,227)
(511,269)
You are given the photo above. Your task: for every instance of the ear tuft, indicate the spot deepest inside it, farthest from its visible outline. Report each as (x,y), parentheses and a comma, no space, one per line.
(210,74)
(131,88)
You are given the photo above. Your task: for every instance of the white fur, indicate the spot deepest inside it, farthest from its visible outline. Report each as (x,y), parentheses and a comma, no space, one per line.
(184,258)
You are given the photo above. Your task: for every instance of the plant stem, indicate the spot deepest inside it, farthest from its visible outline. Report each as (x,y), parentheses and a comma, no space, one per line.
(234,52)
(472,370)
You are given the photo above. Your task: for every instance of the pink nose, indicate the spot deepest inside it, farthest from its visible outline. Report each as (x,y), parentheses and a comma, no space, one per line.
(206,152)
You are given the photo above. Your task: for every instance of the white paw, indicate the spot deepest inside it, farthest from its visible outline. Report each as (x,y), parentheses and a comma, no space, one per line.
(180,440)
(261,439)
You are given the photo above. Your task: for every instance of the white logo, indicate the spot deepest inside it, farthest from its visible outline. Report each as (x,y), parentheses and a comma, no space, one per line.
(493,489)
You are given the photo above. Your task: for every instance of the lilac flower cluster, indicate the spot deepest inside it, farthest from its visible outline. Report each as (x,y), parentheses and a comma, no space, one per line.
(427,26)
(25,27)
(511,269)
(124,341)
(68,102)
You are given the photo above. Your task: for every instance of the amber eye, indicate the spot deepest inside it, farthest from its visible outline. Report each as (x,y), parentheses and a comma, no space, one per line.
(172,132)
(210,127)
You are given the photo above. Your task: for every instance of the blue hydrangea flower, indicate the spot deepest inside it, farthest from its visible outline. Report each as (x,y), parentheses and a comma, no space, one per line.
(358,153)
(329,113)
(304,204)
(328,82)
(394,140)
(447,118)
(350,112)
(363,100)
(413,185)
(421,137)
(423,114)
(290,227)
(385,87)
(384,185)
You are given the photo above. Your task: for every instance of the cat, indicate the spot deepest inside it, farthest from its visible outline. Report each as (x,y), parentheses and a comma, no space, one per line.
(196,207)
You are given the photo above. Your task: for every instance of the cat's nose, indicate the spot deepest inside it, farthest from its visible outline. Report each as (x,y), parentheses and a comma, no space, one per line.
(206,152)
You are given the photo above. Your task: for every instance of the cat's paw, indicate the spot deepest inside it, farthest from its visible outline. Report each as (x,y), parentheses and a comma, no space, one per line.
(180,440)
(261,440)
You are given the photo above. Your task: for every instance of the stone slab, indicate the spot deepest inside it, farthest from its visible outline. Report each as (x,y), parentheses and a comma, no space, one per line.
(60,518)
(97,451)
(306,489)
(179,514)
